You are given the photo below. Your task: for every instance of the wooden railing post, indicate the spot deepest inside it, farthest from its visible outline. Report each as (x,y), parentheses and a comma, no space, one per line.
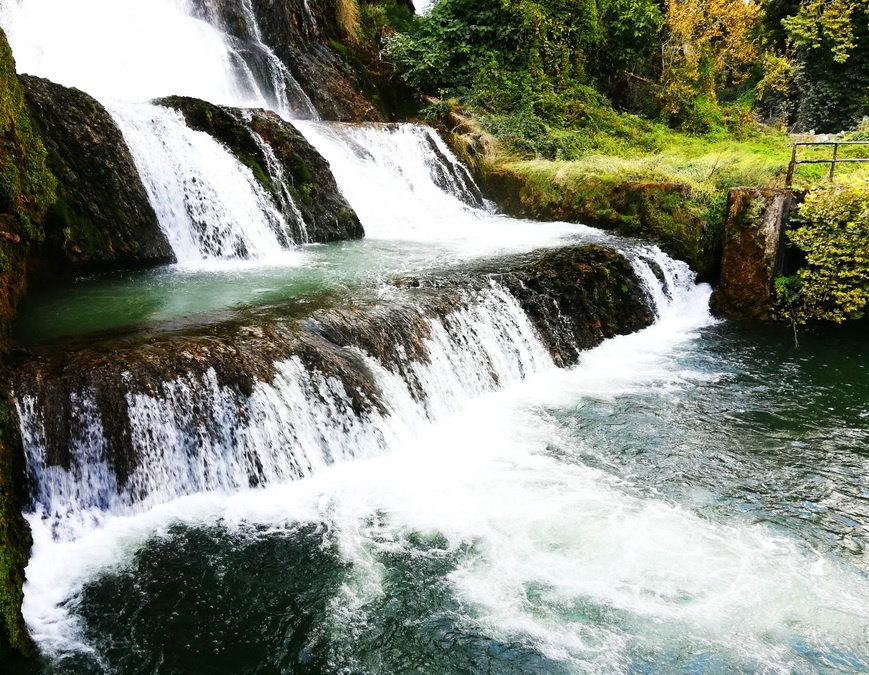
(831,174)
(791,167)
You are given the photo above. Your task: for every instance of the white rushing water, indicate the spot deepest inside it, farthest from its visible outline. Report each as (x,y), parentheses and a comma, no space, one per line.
(197,436)
(136,50)
(476,464)
(402,180)
(200,191)
(126,52)
(479,459)
(413,189)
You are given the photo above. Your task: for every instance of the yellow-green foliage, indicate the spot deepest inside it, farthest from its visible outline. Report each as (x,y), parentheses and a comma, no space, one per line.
(347,15)
(662,185)
(834,235)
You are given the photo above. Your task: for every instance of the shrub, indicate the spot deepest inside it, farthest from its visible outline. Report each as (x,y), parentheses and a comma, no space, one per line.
(834,236)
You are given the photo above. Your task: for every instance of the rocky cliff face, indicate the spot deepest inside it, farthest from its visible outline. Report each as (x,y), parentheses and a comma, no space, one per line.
(294,173)
(102,217)
(326,50)
(26,192)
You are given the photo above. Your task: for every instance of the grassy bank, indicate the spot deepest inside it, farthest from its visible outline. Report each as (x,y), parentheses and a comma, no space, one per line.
(630,175)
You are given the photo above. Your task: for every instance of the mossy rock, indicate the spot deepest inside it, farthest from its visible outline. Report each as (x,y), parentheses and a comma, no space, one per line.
(15,540)
(27,188)
(667,214)
(306,174)
(102,218)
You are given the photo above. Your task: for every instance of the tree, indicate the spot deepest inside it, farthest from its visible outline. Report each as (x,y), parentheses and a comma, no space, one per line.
(708,44)
(827,43)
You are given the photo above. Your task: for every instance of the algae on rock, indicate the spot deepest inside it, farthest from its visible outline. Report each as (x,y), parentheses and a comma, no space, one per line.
(102,217)
(325,213)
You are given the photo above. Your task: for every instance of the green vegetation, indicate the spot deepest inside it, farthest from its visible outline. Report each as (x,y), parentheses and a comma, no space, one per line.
(833,233)
(26,185)
(701,66)
(14,540)
(639,115)
(26,191)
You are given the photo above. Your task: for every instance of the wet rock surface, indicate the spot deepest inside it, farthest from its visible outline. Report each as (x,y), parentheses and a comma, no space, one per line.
(344,78)
(102,217)
(753,252)
(302,176)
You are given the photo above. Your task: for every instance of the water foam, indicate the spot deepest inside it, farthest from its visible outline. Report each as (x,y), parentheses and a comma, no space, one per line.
(416,190)
(547,543)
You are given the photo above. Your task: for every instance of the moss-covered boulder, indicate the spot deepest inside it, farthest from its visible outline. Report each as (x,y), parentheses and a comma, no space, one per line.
(293,168)
(579,296)
(27,187)
(15,540)
(102,217)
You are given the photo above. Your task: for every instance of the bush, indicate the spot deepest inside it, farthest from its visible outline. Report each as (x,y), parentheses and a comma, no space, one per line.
(834,236)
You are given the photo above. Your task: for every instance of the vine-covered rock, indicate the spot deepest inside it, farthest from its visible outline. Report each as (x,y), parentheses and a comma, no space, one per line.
(301,170)
(26,191)
(102,216)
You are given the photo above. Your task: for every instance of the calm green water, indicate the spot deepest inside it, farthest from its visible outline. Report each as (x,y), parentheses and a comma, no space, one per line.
(105,302)
(695,504)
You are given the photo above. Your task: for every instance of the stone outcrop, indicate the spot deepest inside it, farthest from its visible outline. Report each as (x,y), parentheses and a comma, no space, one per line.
(102,218)
(302,171)
(334,59)
(754,231)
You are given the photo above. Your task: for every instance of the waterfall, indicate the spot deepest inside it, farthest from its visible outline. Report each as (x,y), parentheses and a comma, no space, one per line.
(137,50)
(416,190)
(200,191)
(209,205)
(194,434)
(427,186)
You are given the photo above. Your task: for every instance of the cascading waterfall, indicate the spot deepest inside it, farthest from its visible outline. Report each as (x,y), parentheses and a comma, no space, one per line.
(208,204)
(199,190)
(194,435)
(414,187)
(289,208)
(427,185)
(139,50)
(527,508)
(197,436)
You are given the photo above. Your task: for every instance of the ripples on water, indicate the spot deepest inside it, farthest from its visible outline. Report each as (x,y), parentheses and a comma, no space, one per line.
(751,428)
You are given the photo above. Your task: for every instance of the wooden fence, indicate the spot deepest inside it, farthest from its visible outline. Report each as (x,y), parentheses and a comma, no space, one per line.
(832,161)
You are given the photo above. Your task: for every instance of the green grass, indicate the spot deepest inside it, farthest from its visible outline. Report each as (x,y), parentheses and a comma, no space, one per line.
(608,144)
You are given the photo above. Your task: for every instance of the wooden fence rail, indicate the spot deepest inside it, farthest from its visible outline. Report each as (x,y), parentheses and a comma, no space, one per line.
(835,159)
